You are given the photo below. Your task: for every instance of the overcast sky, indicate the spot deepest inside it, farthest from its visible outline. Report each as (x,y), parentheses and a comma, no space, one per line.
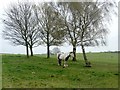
(7,47)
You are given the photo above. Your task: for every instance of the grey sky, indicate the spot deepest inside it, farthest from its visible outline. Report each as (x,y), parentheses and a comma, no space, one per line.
(7,47)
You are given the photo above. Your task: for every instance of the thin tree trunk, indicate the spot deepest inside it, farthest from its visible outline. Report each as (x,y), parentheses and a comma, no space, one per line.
(26,28)
(27,50)
(74,52)
(48,45)
(31,50)
(85,57)
(48,51)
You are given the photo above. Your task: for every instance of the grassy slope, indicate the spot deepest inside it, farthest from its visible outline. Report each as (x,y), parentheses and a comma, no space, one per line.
(39,72)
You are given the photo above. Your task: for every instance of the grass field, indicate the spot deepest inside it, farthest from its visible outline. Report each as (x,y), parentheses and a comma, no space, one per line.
(39,72)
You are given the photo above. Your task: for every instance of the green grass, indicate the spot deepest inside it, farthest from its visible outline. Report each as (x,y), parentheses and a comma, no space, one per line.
(39,72)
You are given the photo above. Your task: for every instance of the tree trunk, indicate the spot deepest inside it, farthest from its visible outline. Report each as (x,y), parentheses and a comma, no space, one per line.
(27,50)
(48,51)
(31,50)
(74,52)
(85,57)
(48,45)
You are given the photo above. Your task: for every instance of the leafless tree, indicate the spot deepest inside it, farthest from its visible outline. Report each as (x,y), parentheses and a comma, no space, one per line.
(70,19)
(51,30)
(86,23)
(21,26)
(93,21)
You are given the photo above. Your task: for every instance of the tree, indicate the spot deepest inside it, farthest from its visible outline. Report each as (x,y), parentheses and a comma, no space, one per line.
(50,29)
(92,26)
(86,23)
(21,26)
(70,19)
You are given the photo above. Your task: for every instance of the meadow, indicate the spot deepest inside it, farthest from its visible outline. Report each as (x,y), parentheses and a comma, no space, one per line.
(40,72)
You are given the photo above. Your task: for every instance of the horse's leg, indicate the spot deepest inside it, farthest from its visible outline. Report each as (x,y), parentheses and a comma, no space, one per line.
(66,64)
(63,64)
(59,62)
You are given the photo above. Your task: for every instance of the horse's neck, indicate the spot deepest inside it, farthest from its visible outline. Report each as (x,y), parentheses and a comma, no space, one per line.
(66,54)
(66,58)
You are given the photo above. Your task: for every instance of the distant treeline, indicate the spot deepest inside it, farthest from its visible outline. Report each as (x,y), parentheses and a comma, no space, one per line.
(112,52)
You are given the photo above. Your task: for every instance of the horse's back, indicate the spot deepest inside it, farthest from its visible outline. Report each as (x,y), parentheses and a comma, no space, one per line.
(60,55)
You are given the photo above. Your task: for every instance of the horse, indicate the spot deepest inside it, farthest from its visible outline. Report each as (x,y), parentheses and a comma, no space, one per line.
(64,57)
